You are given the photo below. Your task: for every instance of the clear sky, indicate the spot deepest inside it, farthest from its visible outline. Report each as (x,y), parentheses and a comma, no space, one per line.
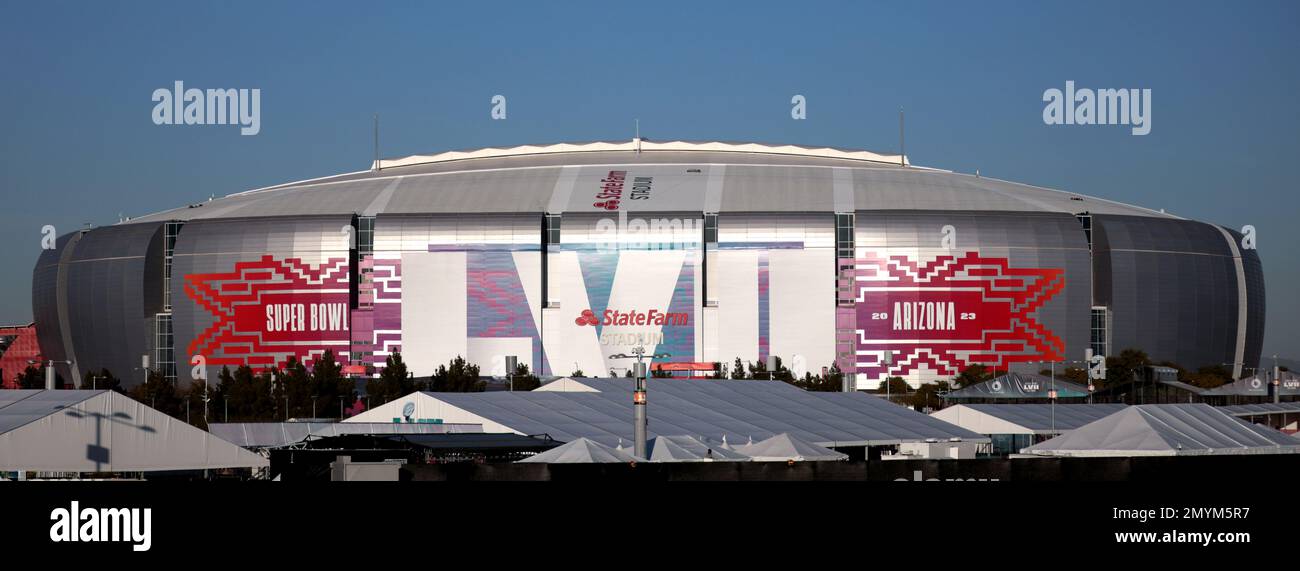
(78,144)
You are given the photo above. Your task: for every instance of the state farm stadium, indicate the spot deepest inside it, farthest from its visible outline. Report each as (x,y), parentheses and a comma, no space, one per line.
(566,255)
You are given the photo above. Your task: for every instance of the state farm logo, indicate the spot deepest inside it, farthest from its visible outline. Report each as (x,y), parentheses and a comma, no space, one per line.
(634,317)
(611,190)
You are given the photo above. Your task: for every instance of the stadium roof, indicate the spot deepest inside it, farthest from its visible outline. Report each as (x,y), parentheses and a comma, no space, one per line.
(1168,430)
(279,434)
(688,177)
(1019,386)
(104,431)
(738,410)
(1024,418)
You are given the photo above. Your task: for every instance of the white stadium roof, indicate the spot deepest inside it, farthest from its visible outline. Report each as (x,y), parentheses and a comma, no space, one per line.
(707,176)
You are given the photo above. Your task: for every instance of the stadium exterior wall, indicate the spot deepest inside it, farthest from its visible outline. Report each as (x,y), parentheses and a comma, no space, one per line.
(941,287)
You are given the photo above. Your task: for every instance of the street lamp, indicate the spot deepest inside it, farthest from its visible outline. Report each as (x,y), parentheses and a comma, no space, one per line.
(639,396)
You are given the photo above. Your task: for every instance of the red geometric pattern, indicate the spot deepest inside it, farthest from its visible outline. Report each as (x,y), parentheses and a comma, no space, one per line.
(951,312)
(269,310)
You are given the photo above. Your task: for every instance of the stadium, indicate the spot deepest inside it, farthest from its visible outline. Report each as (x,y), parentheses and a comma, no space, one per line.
(566,256)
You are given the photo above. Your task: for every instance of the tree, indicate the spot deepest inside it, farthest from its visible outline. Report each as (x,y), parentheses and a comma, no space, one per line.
(458,376)
(159,393)
(832,381)
(329,388)
(393,383)
(896,386)
(738,370)
(523,380)
(1125,367)
(973,374)
(928,396)
(100,380)
(577,373)
(1072,374)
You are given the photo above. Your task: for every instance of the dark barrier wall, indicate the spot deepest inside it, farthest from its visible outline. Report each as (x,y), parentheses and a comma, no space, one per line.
(1172,287)
(107,287)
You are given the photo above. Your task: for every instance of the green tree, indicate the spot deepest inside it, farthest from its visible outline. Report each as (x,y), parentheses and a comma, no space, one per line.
(160,394)
(738,370)
(457,376)
(973,374)
(523,379)
(394,382)
(1125,367)
(1072,374)
(896,386)
(100,380)
(928,396)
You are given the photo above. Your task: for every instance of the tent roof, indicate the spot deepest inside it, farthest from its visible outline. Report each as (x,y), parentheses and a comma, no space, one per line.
(1019,386)
(1167,430)
(690,449)
(474,441)
(788,447)
(1032,418)
(582,451)
(104,431)
(738,410)
(1261,408)
(279,434)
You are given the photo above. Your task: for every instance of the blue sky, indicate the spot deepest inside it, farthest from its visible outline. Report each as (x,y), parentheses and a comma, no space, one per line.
(78,144)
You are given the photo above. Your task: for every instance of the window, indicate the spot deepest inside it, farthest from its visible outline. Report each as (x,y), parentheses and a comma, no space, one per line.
(170,230)
(1086,220)
(164,355)
(365,235)
(844,255)
(1100,336)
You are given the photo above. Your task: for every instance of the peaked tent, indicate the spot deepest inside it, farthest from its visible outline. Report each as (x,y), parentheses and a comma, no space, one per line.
(784,447)
(690,449)
(104,431)
(1167,430)
(582,451)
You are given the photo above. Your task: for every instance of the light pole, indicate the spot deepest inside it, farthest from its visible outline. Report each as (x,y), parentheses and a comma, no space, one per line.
(639,396)
(512,362)
(49,371)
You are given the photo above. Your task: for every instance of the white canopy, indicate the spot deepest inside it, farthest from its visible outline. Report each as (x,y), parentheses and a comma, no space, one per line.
(582,451)
(690,449)
(1167,430)
(104,431)
(783,447)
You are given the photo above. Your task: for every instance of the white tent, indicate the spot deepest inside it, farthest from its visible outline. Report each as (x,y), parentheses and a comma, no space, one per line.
(783,447)
(690,449)
(582,451)
(104,431)
(1167,430)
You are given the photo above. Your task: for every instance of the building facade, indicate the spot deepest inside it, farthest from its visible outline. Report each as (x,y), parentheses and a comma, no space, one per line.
(566,255)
